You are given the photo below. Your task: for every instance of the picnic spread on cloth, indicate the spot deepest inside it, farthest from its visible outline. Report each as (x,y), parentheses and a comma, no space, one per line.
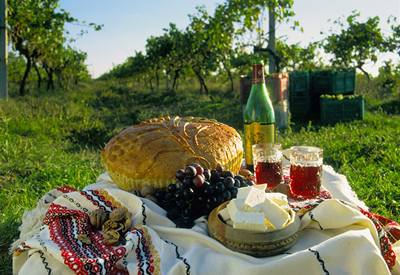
(337,236)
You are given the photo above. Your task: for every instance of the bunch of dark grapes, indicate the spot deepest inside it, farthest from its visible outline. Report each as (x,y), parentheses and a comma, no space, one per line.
(197,191)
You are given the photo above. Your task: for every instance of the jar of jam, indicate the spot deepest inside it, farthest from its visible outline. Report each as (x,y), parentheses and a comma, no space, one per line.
(305,171)
(267,158)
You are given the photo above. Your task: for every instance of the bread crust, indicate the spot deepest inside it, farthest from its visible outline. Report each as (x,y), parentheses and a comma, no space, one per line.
(150,153)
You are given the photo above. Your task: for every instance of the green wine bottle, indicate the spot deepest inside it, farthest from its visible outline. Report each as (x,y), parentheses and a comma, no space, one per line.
(259,117)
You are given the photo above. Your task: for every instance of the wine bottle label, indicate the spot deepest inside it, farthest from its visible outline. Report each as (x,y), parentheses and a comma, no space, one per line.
(255,133)
(258,73)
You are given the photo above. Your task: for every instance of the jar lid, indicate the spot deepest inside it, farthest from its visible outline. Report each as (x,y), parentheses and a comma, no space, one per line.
(306,154)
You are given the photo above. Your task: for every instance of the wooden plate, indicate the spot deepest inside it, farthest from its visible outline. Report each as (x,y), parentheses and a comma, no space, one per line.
(258,244)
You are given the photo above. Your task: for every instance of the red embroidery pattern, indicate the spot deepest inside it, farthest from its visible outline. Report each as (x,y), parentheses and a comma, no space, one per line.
(65,225)
(388,232)
(66,189)
(99,199)
(146,255)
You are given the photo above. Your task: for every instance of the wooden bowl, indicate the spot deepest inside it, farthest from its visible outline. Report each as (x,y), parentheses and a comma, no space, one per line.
(257,244)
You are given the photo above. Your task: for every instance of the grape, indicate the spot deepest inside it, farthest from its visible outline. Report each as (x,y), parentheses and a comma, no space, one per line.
(220,198)
(198,181)
(181,203)
(188,193)
(171,188)
(178,185)
(187,181)
(227,195)
(239,178)
(190,171)
(180,174)
(229,182)
(214,176)
(199,170)
(207,174)
(197,192)
(206,184)
(208,191)
(211,200)
(220,187)
(187,212)
(233,192)
(237,183)
(219,168)
(226,174)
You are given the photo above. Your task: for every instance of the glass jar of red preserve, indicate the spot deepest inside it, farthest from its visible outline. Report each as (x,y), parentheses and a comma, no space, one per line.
(305,171)
(267,158)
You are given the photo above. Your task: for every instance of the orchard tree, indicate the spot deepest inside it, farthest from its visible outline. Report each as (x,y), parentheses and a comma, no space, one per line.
(393,41)
(356,44)
(294,57)
(34,26)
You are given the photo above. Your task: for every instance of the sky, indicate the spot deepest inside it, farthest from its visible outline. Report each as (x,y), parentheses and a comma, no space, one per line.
(128,23)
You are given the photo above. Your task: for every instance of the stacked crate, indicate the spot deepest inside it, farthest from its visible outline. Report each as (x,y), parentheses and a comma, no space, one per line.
(305,101)
(341,109)
(299,94)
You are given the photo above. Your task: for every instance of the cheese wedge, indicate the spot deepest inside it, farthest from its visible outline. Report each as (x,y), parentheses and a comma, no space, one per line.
(243,192)
(275,214)
(224,214)
(253,221)
(268,225)
(233,207)
(262,187)
(278,198)
(254,197)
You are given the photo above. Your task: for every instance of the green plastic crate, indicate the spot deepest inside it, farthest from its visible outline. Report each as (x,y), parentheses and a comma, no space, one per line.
(300,106)
(333,82)
(347,109)
(299,82)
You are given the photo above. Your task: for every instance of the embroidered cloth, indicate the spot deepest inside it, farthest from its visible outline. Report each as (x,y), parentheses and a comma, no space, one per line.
(338,236)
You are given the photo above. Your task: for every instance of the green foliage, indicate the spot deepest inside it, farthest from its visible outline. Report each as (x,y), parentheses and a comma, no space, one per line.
(205,47)
(388,80)
(356,45)
(33,26)
(295,58)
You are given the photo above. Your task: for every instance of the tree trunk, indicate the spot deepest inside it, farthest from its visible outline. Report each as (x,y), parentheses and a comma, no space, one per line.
(157,80)
(364,72)
(50,81)
(271,38)
(39,76)
(203,86)
(174,82)
(25,77)
(228,71)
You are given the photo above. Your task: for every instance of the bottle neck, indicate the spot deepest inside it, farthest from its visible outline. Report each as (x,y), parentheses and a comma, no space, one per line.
(258,74)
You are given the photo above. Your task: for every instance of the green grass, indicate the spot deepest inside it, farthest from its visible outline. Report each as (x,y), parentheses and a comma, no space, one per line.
(54,139)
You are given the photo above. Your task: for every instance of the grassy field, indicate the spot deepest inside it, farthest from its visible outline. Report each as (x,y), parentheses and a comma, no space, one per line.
(55,139)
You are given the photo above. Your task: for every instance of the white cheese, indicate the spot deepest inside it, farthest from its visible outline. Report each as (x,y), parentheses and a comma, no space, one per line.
(243,192)
(275,214)
(254,197)
(262,187)
(233,207)
(253,221)
(278,198)
(224,214)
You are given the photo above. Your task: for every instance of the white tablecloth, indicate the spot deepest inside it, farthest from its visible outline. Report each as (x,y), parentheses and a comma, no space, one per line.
(336,238)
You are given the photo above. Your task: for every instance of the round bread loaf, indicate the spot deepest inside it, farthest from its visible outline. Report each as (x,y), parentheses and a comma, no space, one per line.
(149,154)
